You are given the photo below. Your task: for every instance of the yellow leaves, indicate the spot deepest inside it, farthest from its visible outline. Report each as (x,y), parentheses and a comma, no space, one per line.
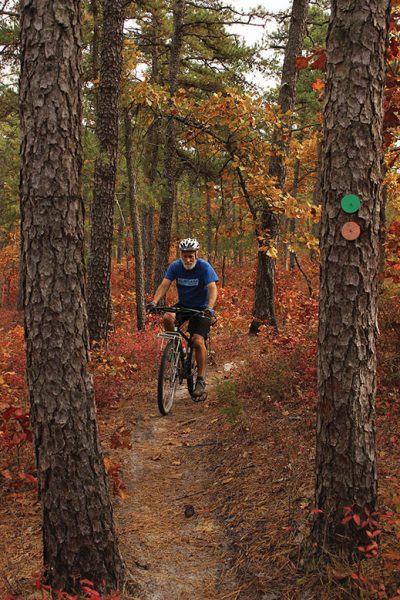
(272,252)
(267,245)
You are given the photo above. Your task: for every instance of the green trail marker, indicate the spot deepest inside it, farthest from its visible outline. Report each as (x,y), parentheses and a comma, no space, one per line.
(350,203)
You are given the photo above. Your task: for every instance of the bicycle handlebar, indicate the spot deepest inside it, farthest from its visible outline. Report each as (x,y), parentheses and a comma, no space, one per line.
(175,309)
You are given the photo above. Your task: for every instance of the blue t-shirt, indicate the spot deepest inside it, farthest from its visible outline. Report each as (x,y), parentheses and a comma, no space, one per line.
(192,284)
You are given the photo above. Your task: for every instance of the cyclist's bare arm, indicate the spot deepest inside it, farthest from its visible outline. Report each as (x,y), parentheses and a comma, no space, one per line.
(212,294)
(162,290)
(168,318)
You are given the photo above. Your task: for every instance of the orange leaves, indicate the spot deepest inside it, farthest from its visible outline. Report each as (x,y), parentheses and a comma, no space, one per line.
(318,85)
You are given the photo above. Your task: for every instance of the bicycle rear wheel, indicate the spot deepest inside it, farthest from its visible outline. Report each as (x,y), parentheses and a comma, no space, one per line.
(167,378)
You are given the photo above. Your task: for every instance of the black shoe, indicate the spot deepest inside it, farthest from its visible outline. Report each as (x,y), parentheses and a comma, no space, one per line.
(200,388)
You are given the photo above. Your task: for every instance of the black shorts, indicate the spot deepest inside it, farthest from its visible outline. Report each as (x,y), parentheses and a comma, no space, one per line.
(197,323)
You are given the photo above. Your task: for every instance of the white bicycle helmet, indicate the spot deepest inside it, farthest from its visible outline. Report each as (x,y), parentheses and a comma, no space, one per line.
(189,245)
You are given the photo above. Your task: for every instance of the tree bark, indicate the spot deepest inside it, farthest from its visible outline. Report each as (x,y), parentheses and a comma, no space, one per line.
(79,540)
(99,289)
(352,154)
(209,224)
(170,158)
(95,46)
(149,250)
(292,221)
(120,239)
(263,306)
(135,223)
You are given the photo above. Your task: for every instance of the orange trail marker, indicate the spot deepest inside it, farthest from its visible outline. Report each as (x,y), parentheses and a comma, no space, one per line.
(351,231)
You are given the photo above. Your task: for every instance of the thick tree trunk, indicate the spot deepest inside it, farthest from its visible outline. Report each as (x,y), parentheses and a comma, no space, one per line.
(352,154)
(99,290)
(135,223)
(170,158)
(263,306)
(78,533)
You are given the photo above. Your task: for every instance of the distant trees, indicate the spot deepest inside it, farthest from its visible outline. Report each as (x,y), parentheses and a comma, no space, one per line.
(346,483)
(79,539)
(264,295)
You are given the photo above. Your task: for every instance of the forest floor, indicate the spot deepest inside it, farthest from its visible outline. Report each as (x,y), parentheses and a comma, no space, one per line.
(215,500)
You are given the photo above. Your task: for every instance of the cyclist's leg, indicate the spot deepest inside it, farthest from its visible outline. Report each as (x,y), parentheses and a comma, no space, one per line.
(199,328)
(199,345)
(169,321)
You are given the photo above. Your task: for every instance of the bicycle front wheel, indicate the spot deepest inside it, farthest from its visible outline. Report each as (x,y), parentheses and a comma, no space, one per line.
(167,378)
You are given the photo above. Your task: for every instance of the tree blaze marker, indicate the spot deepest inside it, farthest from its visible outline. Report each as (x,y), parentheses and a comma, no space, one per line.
(350,203)
(351,230)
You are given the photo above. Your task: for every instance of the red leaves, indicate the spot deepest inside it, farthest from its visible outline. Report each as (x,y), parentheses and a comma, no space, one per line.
(88,588)
(301,63)
(319,62)
(114,470)
(14,427)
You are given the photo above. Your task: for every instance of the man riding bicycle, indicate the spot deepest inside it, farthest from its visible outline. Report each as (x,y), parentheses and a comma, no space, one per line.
(196,284)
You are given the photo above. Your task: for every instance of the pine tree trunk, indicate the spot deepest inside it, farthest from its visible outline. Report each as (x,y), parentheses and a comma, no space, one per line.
(292,222)
(95,45)
(99,273)
(177,223)
(170,158)
(264,306)
(135,222)
(149,252)
(78,533)
(352,155)
(209,224)
(152,159)
(317,198)
(120,239)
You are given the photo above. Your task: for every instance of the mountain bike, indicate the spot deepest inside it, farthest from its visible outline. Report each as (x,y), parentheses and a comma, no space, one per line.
(178,361)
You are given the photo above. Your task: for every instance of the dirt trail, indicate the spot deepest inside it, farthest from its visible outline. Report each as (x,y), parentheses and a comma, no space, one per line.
(173,555)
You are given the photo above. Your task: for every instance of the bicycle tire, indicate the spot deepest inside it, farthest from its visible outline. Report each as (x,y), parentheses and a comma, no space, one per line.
(167,379)
(193,370)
